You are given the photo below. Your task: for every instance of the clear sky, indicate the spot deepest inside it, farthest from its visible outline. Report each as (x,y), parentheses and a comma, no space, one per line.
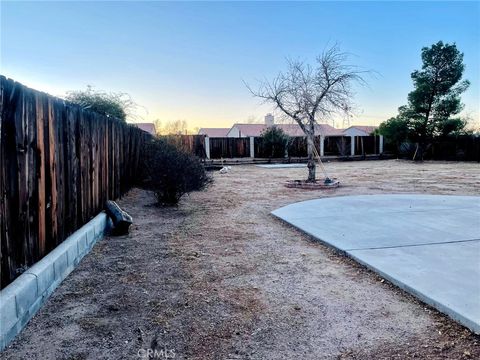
(187,60)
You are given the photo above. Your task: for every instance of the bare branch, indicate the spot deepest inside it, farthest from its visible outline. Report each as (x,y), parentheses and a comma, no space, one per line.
(308,94)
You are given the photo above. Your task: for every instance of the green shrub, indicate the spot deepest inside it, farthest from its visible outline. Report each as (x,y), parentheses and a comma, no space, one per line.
(169,172)
(275,142)
(117,105)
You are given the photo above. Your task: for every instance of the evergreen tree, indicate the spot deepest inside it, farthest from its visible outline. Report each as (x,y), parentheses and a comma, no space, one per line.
(435,99)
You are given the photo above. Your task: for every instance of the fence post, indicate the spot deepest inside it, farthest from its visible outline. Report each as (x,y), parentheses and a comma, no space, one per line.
(352,146)
(322,145)
(207,147)
(380,148)
(252,147)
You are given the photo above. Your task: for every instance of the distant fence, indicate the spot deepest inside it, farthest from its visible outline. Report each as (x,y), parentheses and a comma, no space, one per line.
(193,144)
(464,147)
(338,146)
(454,148)
(59,164)
(229,147)
(297,146)
(367,145)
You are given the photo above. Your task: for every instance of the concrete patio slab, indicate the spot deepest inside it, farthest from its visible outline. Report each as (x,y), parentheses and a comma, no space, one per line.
(446,276)
(428,245)
(371,221)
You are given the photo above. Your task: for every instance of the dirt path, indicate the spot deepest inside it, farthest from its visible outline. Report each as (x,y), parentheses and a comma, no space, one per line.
(220,278)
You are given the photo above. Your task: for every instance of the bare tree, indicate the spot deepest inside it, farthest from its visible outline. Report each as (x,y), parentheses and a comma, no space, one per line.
(173,127)
(308,94)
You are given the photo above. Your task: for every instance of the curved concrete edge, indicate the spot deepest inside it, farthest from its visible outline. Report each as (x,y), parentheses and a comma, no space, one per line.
(310,234)
(21,300)
(472,325)
(427,299)
(294,213)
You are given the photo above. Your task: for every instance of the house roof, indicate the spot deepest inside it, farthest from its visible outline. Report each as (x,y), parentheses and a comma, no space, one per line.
(148,127)
(250,129)
(367,129)
(320,129)
(289,129)
(214,132)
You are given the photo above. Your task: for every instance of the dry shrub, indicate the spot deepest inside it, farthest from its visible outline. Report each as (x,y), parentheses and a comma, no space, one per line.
(169,172)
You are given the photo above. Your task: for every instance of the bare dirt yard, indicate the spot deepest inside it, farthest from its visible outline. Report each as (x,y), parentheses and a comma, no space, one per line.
(218,277)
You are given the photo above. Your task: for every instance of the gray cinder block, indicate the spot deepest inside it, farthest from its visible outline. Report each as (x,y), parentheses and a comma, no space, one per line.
(60,265)
(8,311)
(20,300)
(82,243)
(44,274)
(25,293)
(71,249)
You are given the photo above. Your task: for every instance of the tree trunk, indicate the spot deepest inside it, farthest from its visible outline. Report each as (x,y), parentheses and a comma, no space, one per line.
(419,152)
(311,160)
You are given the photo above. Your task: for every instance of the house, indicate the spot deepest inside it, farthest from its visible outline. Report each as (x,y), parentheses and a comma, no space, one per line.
(359,135)
(246,130)
(256,130)
(147,127)
(293,130)
(328,135)
(357,130)
(214,132)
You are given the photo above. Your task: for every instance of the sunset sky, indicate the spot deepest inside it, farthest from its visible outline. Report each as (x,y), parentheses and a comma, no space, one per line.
(188,61)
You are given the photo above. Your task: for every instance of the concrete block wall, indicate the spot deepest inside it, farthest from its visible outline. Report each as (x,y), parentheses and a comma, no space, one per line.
(20,300)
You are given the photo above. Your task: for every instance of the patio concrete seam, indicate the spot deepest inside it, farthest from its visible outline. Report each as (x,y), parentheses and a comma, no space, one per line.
(412,245)
(21,299)
(444,308)
(384,211)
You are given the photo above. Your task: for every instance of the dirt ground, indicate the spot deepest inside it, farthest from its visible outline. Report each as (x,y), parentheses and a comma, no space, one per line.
(218,277)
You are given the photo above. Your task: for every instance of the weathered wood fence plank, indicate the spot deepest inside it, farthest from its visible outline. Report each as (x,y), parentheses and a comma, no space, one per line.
(58,166)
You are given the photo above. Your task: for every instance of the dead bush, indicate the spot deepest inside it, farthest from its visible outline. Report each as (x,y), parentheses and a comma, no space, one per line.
(169,172)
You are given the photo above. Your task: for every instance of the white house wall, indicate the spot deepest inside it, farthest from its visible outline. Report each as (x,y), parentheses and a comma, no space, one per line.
(234,132)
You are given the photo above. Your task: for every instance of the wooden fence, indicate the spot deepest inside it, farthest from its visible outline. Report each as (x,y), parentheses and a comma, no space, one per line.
(367,145)
(192,144)
(451,148)
(229,147)
(58,166)
(226,147)
(297,146)
(458,148)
